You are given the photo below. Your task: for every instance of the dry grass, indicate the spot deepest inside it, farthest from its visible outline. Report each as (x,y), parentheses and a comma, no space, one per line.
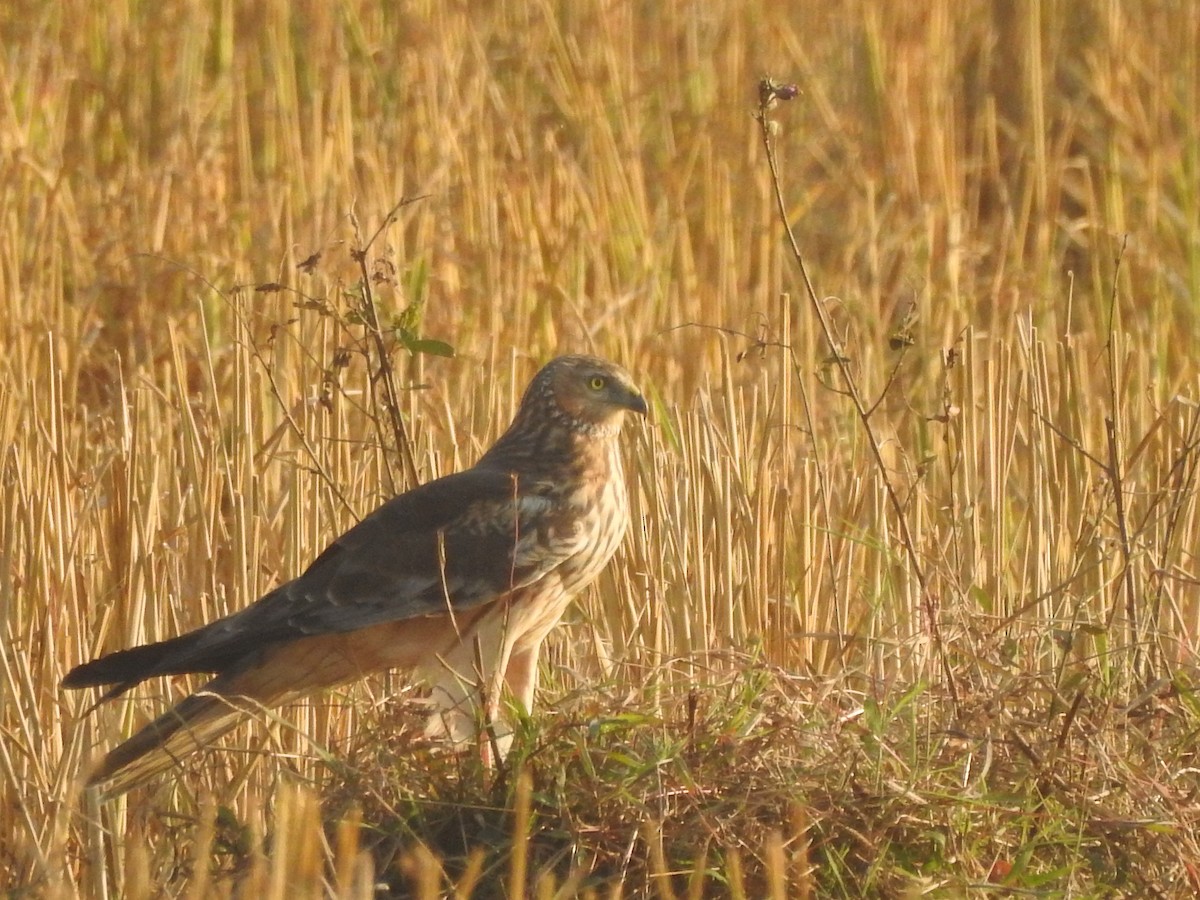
(760,698)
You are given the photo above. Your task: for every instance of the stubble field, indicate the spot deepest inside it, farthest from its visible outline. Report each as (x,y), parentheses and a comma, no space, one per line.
(944,644)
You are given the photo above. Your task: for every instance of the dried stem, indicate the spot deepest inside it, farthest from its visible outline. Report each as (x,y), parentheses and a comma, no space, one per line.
(769,94)
(384,373)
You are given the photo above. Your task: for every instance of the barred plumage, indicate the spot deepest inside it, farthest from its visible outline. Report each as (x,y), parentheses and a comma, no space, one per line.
(472,568)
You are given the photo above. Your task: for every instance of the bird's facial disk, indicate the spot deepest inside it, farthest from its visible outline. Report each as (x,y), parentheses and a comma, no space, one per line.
(598,394)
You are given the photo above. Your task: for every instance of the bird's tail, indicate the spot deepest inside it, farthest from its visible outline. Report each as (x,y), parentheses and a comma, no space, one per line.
(250,681)
(127,668)
(191,724)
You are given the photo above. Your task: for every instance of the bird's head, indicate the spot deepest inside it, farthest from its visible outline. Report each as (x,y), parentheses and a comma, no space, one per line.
(585,393)
(572,409)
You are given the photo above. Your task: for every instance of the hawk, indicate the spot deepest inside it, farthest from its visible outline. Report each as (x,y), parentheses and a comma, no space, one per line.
(458,580)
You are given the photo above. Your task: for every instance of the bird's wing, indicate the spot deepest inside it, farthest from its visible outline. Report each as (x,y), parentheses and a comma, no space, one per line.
(447,546)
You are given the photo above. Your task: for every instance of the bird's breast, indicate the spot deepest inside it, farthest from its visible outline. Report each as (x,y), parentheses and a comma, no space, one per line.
(598,530)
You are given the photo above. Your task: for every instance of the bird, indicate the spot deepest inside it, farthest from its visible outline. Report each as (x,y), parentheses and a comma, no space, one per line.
(458,581)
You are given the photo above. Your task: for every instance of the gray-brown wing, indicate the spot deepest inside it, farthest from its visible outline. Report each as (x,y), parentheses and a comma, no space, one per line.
(456,542)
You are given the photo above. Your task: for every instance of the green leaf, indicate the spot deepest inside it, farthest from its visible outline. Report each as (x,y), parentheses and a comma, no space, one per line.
(430,347)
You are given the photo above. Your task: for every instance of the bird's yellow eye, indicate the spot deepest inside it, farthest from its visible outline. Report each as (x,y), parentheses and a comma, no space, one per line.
(597,382)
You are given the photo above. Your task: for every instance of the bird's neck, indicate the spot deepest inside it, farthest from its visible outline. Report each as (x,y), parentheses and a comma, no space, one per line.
(560,453)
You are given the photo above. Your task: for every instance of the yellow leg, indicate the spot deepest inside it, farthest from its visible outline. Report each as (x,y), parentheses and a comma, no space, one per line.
(521,675)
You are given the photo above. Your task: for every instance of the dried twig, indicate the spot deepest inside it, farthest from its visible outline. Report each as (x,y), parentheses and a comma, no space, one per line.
(770,93)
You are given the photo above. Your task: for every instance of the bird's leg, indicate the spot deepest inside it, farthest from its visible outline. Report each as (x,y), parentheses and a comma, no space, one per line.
(466,693)
(521,675)
(453,697)
(495,737)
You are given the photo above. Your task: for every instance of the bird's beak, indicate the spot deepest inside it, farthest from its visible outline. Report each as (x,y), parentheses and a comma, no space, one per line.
(637,403)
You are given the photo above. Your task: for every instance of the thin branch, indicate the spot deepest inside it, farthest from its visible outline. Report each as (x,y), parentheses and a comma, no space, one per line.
(384,373)
(268,373)
(769,94)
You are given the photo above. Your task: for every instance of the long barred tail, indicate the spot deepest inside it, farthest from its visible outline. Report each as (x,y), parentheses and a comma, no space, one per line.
(191,724)
(277,675)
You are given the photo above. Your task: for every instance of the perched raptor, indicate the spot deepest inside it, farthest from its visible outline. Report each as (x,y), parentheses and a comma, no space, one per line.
(459,580)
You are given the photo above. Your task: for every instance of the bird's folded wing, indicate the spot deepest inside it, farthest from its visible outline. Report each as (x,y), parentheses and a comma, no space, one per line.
(446,546)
